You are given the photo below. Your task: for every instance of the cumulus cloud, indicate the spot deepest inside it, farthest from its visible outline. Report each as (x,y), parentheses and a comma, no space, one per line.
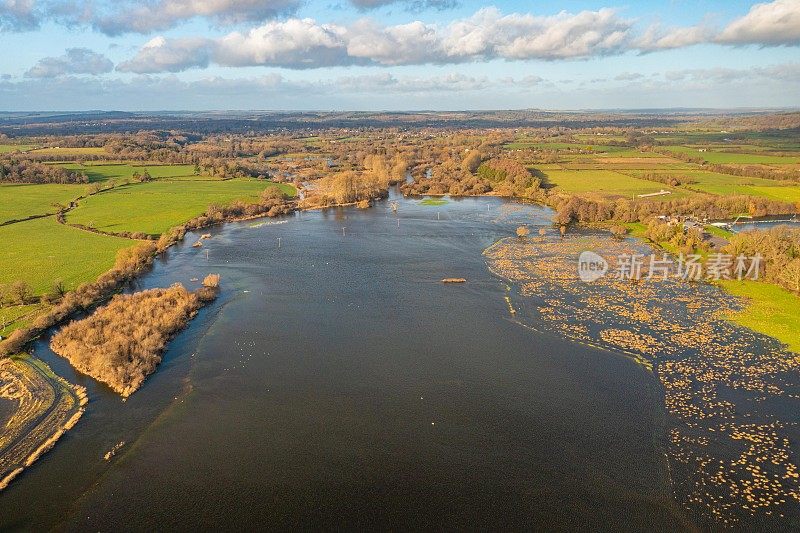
(115,17)
(305,43)
(18,15)
(404,44)
(295,43)
(656,38)
(144,17)
(75,61)
(175,55)
(771,24)
(523,36)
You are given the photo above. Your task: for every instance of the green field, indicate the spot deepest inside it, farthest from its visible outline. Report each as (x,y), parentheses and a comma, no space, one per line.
(433,201)
(771,310)
(101,173)
(724,185)
(605,183)
(17,316)
(19,201)
(721,157)
(159,205)
(42,250)
(8,148)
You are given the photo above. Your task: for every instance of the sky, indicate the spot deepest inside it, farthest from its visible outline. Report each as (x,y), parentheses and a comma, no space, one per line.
(149,55)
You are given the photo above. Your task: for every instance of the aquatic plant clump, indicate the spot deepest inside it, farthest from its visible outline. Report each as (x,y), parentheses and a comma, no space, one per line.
(727,389)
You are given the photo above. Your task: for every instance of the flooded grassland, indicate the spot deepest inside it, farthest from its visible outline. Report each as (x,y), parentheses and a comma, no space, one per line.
(731,394)
(40,408)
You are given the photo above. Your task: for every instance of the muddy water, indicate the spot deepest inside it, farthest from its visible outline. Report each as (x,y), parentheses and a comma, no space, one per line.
(337,383)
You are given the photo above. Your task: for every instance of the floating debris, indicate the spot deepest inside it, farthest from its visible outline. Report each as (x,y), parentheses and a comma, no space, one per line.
(454,280)
(113,451)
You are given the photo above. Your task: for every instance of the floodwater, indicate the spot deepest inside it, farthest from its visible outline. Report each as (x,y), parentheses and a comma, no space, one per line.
(337,383)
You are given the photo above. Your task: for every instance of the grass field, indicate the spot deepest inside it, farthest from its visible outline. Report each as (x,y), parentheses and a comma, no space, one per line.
(771,310)
(8,148)
(605,183)
(101,173)
(724,185)
(159,205)
(735,158)
(22,201)
(433,201)
(17,316)
(42,250)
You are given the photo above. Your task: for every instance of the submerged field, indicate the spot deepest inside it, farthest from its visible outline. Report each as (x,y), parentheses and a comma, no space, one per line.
(157,206)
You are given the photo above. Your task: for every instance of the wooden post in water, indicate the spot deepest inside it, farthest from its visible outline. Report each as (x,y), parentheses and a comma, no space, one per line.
(279,242)
(343,228)
(206,254)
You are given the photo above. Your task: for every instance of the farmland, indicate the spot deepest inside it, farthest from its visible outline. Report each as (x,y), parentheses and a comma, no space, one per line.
(19,201)
(712,155)
(605,183)
(157,206)
(101,173)
(42,250)
(723,184)
(770,309)
(10,148)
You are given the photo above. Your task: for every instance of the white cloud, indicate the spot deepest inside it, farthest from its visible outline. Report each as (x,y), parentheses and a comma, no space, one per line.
(175,55)
(142,17)
(655,38)
(75,61)
(18,15)
(295,43)
(523,36)
(771,24)
(305,43)
(405,44)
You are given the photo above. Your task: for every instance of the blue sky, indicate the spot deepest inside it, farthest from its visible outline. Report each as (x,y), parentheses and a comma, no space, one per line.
(397,54)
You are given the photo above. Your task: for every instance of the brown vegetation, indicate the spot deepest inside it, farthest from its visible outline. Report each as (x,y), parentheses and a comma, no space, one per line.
(780,249)
(16,171)
(582,210)
(121,343)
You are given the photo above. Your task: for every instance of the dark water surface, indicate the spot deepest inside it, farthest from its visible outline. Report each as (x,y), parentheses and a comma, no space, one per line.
(337,383)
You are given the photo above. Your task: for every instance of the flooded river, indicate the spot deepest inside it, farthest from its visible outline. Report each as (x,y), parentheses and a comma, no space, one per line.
(337,383)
